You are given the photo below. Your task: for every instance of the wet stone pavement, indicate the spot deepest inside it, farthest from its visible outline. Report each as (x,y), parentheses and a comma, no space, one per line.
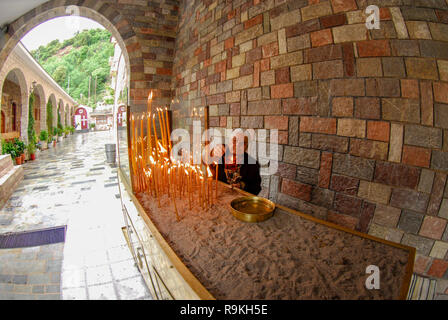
(70,185)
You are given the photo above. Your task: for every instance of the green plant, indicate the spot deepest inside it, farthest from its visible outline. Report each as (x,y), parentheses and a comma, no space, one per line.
(50,116)
(31,132)
(10,148)
(72,129)
(50,138)
(55,132)
(66,130)
(92,125)
(60,132)
(43,136)
(31,148)
(20,146)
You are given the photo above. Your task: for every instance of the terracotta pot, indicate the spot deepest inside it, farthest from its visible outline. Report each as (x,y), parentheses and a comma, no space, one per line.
(33,157)
(18,161)
(54,143)
(23,157)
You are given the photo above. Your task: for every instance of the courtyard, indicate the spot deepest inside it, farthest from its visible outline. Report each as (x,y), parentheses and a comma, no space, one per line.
(70,185)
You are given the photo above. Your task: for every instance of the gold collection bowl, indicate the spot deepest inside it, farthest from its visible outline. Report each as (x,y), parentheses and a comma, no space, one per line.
(252,209)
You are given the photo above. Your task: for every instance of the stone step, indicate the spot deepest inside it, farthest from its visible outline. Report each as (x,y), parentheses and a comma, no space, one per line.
(6,164)
(9,182)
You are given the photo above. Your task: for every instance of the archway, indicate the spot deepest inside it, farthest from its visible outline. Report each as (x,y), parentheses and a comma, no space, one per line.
(99,11)
(59,116)
(14,102)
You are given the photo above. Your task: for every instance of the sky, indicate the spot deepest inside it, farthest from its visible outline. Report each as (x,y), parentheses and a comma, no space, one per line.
(59,28)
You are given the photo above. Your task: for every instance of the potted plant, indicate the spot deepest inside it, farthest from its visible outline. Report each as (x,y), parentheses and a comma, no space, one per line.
(60,134)
(32,151)
(55,136)
(43,137)
(50,142)
(20,147)
(72,130)
(92,126)
(10,148)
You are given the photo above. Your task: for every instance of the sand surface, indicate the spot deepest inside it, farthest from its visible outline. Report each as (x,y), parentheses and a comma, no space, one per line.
(286,257)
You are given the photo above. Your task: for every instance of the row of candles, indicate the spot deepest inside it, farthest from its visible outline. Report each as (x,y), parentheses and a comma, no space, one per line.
(156,172)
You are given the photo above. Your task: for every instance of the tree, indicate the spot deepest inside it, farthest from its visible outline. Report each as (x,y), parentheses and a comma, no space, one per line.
(50,117)
(31,132)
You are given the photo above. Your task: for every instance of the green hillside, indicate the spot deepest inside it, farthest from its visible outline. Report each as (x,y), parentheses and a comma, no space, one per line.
(85,55)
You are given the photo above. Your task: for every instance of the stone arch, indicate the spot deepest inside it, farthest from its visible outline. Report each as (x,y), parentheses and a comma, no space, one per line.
(99,11)
(59,110)
(41,104)
(18,76)
(67,115)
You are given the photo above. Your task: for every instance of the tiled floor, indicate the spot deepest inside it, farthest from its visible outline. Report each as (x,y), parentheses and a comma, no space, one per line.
(73,185)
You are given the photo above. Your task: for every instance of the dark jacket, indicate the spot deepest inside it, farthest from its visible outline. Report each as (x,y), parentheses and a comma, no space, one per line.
(250,174)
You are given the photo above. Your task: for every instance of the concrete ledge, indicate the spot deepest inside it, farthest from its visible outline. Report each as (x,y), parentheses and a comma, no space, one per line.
(9,183)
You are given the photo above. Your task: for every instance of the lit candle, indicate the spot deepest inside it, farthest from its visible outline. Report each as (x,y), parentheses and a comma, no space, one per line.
(155,133)
(216,181)
(168,128)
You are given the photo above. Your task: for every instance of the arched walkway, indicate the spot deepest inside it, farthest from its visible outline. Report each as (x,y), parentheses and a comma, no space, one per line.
(99,11)
(39,109)
(14,104)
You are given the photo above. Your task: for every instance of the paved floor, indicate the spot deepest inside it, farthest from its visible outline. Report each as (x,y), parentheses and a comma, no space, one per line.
(70,185)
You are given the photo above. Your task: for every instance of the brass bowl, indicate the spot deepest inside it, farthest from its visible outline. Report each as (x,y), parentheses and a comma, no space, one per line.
(252,209)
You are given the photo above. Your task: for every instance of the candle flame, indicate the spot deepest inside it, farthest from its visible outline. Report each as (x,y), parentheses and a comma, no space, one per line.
(150,96)
(209,172)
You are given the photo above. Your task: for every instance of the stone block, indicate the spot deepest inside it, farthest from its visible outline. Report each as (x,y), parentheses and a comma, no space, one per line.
(438,268)
(300,106)
(270,50)
(267,78)
(378,130)
(318,125)
(322,197)
(443,69)
(321,38)
(350,33)
(405,48)
(399,23)
(344,184)
(243,82)
(426,181)
(353,166)
(302,157)
(439,31)
(403,110)
(307,175)
(296,189)
(383,87)
(423,245)
(441,92)
(325,169)
(351,128)
(276,122)
(302,28)
(410,88)
(433,227)
(421,136)
(415,156)
(437,194)
(434,49)
(285,60)
(301,73)
(329,143)
(325,53)
(410,222)
(367,108)
(441,115)
(439,160)
(369,67)
(298,43)
(342,107)
(367,212)
(408,199)
(285,20)
(249,34)
(347,87)
(343,5)
(418,30)
(264,107)
(282,91)
(316,11)
(439,250)
(387,216)
(394,67)
(414,13)
(374,192)
(347,205)
(373,48)
(397,175)
(252,122)
(305,89)
(328,70)
(369,149)
(443,212)
(421,68)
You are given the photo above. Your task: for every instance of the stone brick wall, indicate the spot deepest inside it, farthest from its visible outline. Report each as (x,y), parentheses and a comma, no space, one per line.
(362,114)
